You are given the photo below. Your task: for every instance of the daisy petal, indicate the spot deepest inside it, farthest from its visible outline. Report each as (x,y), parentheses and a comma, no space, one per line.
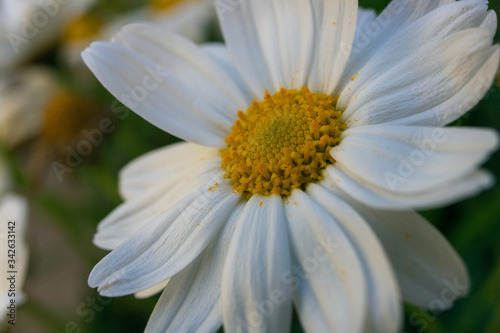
(429,92)
(254,296)
(327,261)
(133,214)
(365,19)
(152,291)
(165,163)
(490,23)
(179,57)
(384,309)
(335,27)
(201,109)
(372,36)
(192,298)
(220,54)
(336,179)
(169,242)
(311,315)
(429,271)
(410,159)
(269,40)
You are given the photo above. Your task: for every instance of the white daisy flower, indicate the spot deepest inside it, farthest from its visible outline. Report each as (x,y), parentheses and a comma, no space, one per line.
(12,208)
(29,26)
(306,194)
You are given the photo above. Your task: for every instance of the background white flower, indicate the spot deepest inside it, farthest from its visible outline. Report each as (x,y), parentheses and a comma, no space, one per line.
(30,26)
(190,18)
(12,208)
(21,117)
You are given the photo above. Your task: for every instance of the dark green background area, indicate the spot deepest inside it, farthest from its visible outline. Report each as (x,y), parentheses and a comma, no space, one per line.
(472,226)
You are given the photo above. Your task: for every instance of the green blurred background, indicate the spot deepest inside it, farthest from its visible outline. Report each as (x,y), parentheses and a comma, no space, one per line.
(64,217)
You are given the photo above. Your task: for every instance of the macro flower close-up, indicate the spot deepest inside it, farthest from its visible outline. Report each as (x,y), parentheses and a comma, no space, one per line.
(310,140)
(249,166)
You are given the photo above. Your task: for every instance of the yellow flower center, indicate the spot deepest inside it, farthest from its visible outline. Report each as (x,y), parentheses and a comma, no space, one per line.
(162,5)
(65,115)
(84,27)
(282,143)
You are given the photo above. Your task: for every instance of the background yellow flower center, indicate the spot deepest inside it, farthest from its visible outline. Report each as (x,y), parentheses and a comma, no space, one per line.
(84,27)
(282,143)
(65,115)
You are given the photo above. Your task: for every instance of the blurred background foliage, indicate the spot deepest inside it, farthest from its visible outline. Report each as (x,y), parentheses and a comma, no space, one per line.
(64,216)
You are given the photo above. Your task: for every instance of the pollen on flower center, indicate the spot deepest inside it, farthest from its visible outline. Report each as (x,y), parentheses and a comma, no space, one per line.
(282,143)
